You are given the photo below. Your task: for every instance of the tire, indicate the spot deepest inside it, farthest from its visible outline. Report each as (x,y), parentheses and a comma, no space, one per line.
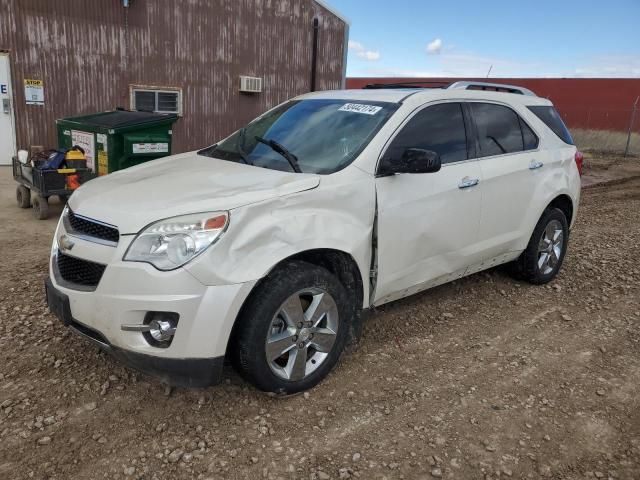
(270,316)
(532,265)
(40,207)
(23,196)
(63,198)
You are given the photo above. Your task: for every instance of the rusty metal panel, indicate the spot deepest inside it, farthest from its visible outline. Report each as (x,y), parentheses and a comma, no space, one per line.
(589,103)
(89,53)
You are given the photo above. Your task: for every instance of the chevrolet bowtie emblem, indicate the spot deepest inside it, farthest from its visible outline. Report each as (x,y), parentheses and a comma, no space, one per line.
(65,243)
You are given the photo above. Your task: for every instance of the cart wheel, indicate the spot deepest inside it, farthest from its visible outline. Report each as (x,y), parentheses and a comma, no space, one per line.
(23,196)
(40,207)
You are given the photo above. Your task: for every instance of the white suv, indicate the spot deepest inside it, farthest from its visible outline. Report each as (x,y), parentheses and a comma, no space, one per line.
(266,247)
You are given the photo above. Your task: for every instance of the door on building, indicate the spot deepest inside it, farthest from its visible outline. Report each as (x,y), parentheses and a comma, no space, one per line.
(7,130)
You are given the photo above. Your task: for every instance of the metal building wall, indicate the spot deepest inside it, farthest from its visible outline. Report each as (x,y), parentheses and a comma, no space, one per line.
(89,52)
(586,103)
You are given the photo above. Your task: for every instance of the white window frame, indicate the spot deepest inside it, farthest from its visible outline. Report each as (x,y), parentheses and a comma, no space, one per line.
(144,88)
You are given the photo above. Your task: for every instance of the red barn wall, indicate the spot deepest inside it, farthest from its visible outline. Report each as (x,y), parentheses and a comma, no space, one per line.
(589,103)
(89,53)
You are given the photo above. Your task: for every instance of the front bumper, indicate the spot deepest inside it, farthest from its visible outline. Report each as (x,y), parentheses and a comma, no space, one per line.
(180,372)
(127,291)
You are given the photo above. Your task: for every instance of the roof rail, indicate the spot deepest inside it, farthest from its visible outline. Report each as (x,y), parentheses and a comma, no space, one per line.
(497,87)
(418,84)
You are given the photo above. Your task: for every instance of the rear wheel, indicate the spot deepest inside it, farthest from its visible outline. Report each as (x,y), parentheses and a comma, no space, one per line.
(40,207)
(542,259)
(293,329)
(23,196)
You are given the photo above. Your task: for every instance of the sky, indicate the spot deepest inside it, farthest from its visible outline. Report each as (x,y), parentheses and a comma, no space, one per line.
(516,38)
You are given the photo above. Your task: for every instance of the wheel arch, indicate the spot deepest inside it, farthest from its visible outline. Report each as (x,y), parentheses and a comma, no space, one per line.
(339,263)
(564,203)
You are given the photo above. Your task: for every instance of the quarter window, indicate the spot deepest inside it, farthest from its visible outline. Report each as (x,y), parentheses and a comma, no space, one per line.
(552,119)
(439,128)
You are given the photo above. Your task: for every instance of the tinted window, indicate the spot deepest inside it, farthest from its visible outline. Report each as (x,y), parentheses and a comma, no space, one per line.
(439,128)
(498,129)
(552,119)
(530,139)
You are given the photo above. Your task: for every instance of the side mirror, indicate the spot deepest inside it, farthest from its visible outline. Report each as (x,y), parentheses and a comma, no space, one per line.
(413,160)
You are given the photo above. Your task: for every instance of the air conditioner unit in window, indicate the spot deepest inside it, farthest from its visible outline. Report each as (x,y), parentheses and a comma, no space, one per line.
(250,84)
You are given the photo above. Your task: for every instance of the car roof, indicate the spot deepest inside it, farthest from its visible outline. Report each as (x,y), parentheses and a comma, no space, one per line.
(393,95)
(419,96)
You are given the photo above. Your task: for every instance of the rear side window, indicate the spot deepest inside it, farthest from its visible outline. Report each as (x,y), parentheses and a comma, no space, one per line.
(439,128)
(552,119)
(499,129)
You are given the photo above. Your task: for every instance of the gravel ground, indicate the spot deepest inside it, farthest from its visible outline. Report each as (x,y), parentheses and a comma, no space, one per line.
(481,378)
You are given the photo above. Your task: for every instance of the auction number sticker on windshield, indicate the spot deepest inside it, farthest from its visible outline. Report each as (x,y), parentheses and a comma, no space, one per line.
(360,108)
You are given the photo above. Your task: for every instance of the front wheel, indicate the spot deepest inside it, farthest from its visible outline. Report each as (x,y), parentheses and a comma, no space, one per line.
(23,196)
(293,329)
(542,259)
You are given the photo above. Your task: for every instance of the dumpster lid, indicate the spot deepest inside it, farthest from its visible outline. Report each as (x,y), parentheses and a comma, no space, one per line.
(121,118)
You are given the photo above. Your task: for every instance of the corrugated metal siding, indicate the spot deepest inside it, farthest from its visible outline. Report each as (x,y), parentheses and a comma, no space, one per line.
(88,52)
(590,103)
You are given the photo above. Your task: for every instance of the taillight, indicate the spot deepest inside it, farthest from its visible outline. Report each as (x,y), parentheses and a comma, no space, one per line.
(579,157)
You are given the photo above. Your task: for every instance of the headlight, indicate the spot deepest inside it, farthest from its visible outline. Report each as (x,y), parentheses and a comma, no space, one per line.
(169,244)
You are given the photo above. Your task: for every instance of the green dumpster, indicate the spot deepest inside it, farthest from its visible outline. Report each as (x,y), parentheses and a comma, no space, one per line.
(118,139)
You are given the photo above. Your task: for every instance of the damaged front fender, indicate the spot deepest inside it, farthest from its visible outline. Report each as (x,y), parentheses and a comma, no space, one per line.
(337,215)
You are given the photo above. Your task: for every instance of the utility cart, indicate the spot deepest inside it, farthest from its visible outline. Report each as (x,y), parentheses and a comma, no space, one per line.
(37,184)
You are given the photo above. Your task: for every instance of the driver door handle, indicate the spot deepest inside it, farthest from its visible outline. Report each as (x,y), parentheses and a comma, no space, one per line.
(467,182)
(535,165)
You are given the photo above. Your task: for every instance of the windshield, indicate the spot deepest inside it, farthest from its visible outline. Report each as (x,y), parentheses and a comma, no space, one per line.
(310,136)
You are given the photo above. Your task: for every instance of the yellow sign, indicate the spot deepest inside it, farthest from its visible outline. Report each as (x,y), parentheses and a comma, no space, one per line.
(103,163)
(34,91)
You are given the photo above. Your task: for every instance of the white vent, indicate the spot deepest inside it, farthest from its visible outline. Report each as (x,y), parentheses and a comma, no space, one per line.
(250,84)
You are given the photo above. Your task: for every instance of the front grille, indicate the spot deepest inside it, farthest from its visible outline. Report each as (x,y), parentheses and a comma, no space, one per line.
(80,272)
(92,228)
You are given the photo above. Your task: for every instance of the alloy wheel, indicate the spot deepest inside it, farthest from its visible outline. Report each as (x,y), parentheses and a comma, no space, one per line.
(550,247)
(302,334)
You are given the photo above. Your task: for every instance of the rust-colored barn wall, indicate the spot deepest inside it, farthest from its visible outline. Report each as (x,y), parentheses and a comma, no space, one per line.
(589,103)
(89,52)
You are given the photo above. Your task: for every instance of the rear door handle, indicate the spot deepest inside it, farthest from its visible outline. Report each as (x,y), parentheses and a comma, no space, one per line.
(467,182)
(535,165)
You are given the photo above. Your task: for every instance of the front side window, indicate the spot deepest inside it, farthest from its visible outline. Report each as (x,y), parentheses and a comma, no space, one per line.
(439,128)
(318,135)
(498,128)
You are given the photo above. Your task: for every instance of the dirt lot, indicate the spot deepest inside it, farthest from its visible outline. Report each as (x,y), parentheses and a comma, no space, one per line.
(482,378)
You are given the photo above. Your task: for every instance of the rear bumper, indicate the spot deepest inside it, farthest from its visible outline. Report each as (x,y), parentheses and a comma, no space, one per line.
(180,372)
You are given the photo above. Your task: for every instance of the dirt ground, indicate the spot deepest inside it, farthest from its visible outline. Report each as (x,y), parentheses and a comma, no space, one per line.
(482,378)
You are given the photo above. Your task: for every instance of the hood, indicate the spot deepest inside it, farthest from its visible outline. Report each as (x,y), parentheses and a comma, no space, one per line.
(181,184)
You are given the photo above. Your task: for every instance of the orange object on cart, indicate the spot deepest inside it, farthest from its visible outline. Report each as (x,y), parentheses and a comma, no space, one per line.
(73,181)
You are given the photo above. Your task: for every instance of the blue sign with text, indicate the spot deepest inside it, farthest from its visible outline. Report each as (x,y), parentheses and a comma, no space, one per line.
(4,89)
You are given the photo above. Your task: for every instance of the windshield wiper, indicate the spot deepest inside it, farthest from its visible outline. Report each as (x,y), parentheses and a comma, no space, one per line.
(240,146)
(278,148)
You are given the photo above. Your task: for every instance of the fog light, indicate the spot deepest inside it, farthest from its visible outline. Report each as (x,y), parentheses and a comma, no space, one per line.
(162,328)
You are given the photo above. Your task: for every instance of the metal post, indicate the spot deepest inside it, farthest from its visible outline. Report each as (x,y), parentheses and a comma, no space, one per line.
(633,117)
(314,54)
